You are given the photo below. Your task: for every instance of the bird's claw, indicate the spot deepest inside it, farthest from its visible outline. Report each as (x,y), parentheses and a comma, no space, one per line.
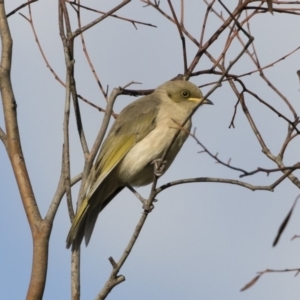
(159,166)
(148,209)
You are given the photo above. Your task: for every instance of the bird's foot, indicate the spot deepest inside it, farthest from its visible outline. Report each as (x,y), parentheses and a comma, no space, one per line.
(148,209)
(159,166)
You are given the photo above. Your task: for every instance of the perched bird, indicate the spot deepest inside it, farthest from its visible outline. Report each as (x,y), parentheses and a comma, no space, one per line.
(139,136)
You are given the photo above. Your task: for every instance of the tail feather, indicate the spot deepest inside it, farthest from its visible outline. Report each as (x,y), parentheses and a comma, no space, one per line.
(89,225)
(86,217)
(76,232)
(93,215)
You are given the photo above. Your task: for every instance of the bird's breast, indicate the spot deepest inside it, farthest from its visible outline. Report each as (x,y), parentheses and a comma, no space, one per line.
(137,166)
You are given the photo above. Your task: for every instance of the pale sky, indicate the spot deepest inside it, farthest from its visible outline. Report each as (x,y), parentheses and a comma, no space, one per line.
(202,240)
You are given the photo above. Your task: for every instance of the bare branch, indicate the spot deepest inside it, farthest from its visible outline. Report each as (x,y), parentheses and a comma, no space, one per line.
(268,171)
(20,7)
(208,9)
(3,137)
(216,180)
(36,38)
(60,192)
(69,61)
(139,196)
(202,50)
(254,280)
(285,222)
(86,27)
(181,37)
(115,279)
(40,229)
(88,57)
(94,105)
(70,88)
(270,6)
(214,156)
(112,15)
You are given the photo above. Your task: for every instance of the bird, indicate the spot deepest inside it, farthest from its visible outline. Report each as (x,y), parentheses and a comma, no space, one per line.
(138,138)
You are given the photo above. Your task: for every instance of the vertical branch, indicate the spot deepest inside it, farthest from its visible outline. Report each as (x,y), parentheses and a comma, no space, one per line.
(75,275)
(208,9)
(114,278)
(180,33)
(68,51)
(69,65)
(11,123)
(68,44)
(66,149)
(40,229)
(181,12)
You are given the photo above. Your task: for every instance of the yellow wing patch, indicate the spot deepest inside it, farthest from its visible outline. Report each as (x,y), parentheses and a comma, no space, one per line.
(109,160)
(105,165)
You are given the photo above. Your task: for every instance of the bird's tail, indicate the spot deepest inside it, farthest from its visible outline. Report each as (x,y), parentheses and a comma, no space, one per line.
(76,232)
(87,214)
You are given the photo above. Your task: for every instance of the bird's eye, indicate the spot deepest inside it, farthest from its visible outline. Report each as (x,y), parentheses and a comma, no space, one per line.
(185,94)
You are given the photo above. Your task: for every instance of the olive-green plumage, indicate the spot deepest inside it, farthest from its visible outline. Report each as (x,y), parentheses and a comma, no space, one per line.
(139,136)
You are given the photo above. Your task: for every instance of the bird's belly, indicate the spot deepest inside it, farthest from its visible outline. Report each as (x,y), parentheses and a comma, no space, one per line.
(137,166)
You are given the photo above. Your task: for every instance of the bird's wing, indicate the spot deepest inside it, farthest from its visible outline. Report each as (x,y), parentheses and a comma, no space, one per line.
(131,126)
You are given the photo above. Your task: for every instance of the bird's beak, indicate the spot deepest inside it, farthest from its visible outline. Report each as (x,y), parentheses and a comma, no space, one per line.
(207,101)
(200,100)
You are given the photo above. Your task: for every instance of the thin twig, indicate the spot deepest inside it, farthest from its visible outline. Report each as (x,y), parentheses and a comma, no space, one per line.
(181,37)
(210,41)
(20,7)
(59,193)
(36,38)
(115,279)
(208,9)
(112,15)
(3,137)
(268,82)
(30,20)
(255,279)
(218,84)
(88,57)
(91,24)
(216,180)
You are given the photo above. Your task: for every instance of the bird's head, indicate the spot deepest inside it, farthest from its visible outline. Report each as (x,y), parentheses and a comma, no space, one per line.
(184,93)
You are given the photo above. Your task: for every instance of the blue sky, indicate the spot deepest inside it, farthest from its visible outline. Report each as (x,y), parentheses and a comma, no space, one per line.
(202,240)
